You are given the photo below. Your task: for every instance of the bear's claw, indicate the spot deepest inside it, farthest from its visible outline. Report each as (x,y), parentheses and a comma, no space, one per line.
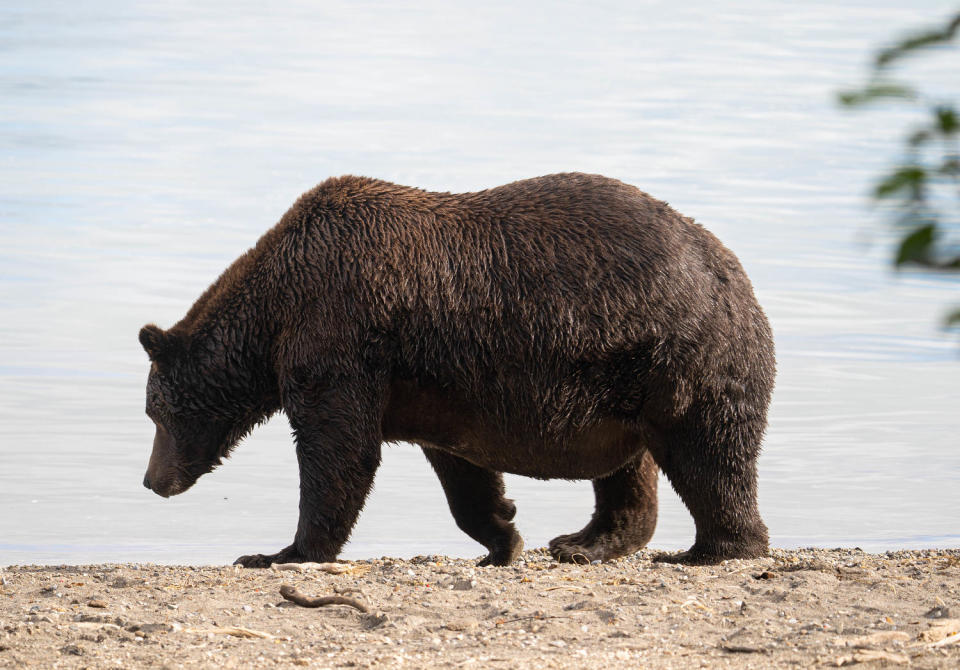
(585,547)
(698,556)
(503,555)
(285,555)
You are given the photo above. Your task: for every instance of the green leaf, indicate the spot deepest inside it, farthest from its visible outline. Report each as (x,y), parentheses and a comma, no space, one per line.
(910,178)
(918,41)
(947,122)
(915,247)
(950,166)
(876,92)
(919,137)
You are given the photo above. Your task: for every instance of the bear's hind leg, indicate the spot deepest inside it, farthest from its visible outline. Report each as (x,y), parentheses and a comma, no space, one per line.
(624,519)
(475,496)
(714,471)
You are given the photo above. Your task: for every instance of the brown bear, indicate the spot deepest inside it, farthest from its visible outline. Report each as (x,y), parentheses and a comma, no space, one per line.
(568,326)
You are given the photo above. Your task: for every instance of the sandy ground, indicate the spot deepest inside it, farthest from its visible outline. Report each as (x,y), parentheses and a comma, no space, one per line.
(796,608)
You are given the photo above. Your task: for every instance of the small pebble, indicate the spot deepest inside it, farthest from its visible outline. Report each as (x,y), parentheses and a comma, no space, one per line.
(464,584)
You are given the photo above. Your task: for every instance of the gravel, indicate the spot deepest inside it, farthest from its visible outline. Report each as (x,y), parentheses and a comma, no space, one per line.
(794,608)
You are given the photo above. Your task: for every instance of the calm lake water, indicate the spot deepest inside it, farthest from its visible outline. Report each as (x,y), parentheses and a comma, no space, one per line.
(143,146)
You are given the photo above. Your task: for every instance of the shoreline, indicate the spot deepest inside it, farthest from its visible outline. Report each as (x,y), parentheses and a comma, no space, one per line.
(796,607)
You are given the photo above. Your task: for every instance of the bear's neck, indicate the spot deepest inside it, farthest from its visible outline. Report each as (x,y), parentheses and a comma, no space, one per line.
(234,327)
(264,296)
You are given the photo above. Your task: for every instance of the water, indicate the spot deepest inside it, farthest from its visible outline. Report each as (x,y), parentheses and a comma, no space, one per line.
(143,146)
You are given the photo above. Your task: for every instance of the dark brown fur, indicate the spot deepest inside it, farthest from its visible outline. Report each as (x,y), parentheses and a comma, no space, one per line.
(568,326)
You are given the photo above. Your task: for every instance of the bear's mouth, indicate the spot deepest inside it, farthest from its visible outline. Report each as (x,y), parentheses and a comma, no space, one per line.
(169,472)
(173,484)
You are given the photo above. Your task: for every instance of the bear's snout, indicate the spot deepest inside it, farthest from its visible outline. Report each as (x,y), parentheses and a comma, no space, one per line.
(162,489)
(148,485)
(163,477)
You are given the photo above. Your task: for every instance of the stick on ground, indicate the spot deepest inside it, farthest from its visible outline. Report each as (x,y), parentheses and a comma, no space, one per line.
(294,596)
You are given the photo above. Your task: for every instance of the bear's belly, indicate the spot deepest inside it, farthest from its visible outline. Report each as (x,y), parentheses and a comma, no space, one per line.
(438,421)
(589,454)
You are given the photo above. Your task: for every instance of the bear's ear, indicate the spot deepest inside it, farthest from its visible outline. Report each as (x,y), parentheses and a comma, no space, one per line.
(155,341)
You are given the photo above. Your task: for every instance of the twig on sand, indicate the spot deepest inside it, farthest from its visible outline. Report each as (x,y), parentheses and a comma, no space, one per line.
(951,639)
(537,617)
(332,568)
(235,631)
(294,596)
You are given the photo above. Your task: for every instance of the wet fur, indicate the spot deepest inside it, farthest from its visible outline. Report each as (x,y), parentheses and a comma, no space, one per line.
(568,326)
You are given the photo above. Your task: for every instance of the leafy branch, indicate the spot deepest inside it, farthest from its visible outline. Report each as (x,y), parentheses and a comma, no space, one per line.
(930,171)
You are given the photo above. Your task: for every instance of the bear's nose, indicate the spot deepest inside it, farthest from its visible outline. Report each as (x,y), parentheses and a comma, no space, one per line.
(146,481)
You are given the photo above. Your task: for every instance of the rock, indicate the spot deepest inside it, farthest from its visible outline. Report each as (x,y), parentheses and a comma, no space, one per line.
(109,627)
(72,650)
(373,620)
(879,638)
(152,628)
(579,605)
(606,616)
(406,622)
(100,604)
(742,649)
(869,655)
(938,613)
(810,564)
(464,584)
(939,630)
(99,618)
(247,608)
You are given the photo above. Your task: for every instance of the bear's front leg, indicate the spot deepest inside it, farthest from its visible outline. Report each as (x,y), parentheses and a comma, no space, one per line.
(285,555)
(336,426)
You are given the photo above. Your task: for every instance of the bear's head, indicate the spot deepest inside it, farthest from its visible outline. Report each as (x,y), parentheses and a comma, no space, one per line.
(197,414)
